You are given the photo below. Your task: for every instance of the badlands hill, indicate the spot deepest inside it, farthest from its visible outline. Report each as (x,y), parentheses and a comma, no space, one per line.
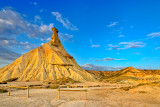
(47,62)
(127,75)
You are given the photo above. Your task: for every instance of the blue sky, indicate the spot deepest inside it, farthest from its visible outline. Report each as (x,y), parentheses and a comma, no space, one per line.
(100,35)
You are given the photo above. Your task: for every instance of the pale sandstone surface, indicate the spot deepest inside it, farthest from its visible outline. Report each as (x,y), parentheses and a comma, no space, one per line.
(47,62)
(109,96)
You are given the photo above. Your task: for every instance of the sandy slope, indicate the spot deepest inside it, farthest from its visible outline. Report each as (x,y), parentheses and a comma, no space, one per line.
(50,61)
(97,97)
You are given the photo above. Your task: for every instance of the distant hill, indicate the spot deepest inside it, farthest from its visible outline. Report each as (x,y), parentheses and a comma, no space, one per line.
(127,75)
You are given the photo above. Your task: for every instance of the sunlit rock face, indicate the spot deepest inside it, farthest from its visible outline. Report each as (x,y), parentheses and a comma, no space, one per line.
(47,62)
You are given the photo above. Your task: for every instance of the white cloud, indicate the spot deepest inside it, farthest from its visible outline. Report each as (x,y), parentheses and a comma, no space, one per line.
(153,35)
(6,42)
(112,24)
(65,37)
(158,48)
(100,68)
(24,43)
(6,54)
(95,46)
(132,44)
(46,28)
(120,36)
(34,3)
(5,21)
(66,23)
(109,59)
(37,18)
(27,45)
(13,24)
(126,45)
(46,39)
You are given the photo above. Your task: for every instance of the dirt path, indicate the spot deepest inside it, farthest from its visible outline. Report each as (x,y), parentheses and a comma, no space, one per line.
(96,97)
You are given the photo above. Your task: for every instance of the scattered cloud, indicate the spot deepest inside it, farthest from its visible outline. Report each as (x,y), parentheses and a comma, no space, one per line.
(137,53)
(120,36)
(6,42)
(131,26)
(91,41)
(95,46)
(144,58)
(37,18)
(113,47)
(66,37)
(66,23)
(27,45)
(132,44)
(46,39)
(109,59)
(34,3)
(6,54)
(112,24)
(153,35)
(126,45)
(100,68)
(158,48)
(12,24)
(42,10)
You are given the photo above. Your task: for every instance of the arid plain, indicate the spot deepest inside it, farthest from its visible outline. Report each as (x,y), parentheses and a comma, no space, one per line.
(98,95)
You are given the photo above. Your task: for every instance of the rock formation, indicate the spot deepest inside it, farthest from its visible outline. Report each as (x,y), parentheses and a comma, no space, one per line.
(127,75)
(132,72)
(47,62)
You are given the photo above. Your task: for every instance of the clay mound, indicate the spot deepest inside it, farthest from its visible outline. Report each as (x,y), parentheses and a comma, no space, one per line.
(123,76)
(130,71)
(127,75)
(47,62)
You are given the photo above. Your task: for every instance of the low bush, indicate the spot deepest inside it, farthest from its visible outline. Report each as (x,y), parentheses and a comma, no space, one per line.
(3,91)
(3,82)
(142,92)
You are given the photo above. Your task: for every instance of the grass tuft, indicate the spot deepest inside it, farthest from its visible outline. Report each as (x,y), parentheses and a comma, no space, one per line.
(142,92)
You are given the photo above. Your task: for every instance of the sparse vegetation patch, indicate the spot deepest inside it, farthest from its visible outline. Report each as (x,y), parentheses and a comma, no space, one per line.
(3,91)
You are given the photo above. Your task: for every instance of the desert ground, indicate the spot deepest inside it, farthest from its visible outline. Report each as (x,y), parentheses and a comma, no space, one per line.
(98,95)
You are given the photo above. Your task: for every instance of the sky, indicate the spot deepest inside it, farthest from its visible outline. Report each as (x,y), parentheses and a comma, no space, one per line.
(100,35)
